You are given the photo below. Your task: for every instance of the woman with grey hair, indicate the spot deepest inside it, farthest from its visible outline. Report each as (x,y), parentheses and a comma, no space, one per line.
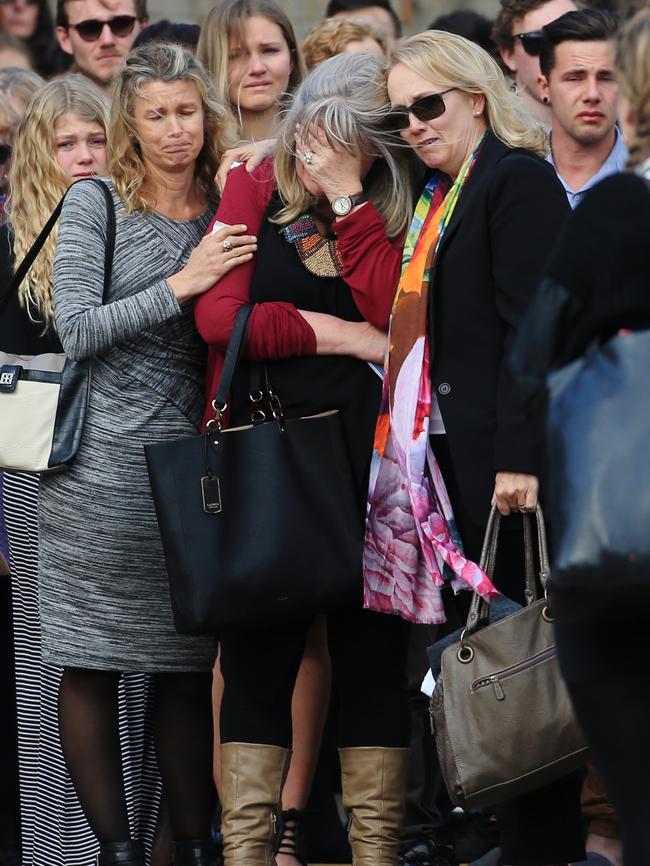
(104,598)
(330,212)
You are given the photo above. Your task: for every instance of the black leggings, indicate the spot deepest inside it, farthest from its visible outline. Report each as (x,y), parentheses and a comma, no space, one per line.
(605,664)
(368,652)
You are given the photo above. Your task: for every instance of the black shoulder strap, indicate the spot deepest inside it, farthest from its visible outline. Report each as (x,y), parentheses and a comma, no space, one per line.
(233,354)
(22,269)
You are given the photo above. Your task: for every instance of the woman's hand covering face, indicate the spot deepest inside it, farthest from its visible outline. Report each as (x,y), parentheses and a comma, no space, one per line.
(328,171)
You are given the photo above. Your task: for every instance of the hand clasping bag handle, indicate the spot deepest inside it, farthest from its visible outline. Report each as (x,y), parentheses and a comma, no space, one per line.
(43,398)
(260,523)
(501,713)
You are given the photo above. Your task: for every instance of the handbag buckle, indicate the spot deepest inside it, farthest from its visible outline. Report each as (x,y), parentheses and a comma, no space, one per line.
(9,376)
(218,414)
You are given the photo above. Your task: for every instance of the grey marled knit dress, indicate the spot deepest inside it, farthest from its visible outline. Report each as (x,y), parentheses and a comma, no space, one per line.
(103,587)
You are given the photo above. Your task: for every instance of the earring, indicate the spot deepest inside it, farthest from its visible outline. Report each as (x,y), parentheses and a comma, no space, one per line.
(476,113)
(545,100)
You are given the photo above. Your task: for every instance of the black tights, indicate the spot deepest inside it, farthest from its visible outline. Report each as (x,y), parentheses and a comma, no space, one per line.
(90,737)
(368,652)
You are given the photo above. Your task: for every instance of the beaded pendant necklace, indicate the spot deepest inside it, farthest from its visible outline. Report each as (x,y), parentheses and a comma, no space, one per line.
(318,254)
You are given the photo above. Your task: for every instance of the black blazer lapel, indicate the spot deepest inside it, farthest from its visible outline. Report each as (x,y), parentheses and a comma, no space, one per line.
(491,152)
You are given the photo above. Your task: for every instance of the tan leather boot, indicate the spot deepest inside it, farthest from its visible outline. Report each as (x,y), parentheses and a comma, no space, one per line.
(252,776)
(374,791)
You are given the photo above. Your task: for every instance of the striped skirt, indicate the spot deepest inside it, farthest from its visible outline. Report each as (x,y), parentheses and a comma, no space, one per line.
(54,829)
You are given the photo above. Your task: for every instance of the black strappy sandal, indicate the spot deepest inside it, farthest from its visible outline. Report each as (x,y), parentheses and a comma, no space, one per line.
(290,839)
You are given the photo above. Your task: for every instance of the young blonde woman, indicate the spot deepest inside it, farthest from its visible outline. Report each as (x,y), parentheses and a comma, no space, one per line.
(61,138)
(250,49)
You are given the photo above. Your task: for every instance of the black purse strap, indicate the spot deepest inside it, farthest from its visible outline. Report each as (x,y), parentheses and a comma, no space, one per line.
(23,268)
(231,360)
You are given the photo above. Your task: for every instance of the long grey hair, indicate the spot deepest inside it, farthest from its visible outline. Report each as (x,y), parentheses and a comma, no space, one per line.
(346,98)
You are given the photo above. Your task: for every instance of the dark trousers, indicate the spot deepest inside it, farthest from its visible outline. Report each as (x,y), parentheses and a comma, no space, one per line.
(605,663)
(543,827)
(368,652)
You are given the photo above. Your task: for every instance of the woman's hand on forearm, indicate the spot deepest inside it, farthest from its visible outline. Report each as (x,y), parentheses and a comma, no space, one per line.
(336,336)
(514,491)
(210,260)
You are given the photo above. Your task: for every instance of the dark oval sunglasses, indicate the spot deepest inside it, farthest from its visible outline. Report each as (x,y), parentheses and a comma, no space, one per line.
(425,108)
(531,42)
(91,29)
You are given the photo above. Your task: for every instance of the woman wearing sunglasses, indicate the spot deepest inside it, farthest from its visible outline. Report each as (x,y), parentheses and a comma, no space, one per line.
(455,438)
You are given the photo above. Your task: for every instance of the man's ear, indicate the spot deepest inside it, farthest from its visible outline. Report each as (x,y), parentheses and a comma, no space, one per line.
(543,89)
(508,57)
(63,35)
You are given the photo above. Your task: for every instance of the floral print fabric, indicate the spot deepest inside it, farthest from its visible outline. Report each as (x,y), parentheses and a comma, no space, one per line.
(412,547)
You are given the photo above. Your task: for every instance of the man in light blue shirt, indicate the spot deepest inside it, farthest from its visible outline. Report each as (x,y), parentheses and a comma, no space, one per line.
(577,80)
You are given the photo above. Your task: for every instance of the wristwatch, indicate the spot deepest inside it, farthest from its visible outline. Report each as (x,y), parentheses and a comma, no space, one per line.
(343,204)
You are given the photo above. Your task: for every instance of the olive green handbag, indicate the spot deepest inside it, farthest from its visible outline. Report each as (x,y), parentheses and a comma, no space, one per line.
(500,711)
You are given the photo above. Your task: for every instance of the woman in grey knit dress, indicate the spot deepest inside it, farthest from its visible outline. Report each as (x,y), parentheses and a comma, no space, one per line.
(105,604)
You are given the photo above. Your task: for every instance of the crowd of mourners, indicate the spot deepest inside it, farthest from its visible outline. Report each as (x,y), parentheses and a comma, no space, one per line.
(424,228)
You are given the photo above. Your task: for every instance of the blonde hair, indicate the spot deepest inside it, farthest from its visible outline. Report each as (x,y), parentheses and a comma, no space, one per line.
(225,22)
(165,63)
(633,76)
(453,61)
(346,97)
(20,85)
(329,37)
(37,182)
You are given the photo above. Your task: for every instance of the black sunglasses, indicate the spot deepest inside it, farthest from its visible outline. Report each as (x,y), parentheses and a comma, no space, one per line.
(531,42)
(91,29)
(5,153)
(425,108)
(9,2)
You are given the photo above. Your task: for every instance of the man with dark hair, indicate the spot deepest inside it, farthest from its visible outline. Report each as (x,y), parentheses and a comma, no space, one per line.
(577,81)
(517,33)
(469,24)
(99,34)
(376,12)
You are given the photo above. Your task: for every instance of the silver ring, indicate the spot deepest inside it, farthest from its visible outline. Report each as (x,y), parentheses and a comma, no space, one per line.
(227,245)
(308,157)
(523,508)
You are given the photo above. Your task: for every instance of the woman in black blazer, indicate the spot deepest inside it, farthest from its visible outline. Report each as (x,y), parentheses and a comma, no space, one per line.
(487,217)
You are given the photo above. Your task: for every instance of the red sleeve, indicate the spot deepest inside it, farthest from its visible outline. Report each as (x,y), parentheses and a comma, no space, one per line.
(276,330)
(371,263)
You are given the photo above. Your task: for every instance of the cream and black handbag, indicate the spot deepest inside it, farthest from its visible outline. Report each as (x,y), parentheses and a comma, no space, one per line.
(500,710)
(43,398)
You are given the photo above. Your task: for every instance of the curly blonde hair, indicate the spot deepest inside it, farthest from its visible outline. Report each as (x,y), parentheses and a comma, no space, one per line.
(346,97)
(37,182)
(225,22)
(165,63)
(633,75)
(453,61)
(329,38)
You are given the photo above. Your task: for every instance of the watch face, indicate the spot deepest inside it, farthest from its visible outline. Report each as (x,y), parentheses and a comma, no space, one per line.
(342,205)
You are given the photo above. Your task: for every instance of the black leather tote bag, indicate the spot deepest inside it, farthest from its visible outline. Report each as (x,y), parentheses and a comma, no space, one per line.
(598,433)
(261,523)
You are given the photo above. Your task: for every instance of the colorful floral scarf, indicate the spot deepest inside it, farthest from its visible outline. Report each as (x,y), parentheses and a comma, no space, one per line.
(412,544)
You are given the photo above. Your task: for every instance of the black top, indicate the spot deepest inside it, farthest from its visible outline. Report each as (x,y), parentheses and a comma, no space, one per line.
(597,280)
(508,217)
(19,335)
(312,384)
